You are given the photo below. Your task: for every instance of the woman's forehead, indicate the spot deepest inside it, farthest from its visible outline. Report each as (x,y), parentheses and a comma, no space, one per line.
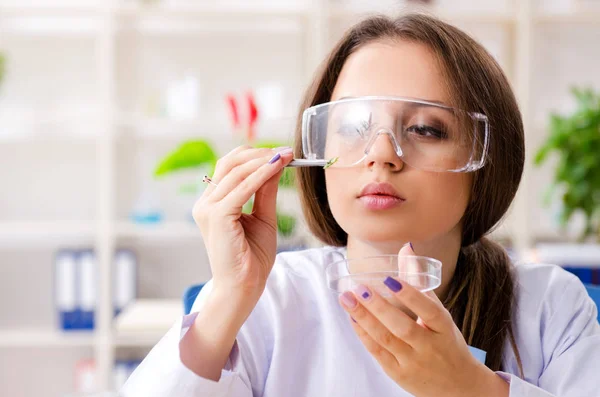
(399,68)
(392,106)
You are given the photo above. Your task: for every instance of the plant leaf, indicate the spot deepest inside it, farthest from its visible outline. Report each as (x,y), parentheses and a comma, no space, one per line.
(247,208)
(190,154)
(286,224)
(575,138)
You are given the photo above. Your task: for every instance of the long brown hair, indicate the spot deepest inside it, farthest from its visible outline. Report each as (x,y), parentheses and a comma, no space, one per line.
(481,294)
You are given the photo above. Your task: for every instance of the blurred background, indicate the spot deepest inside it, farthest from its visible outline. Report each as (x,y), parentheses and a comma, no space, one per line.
(112,111)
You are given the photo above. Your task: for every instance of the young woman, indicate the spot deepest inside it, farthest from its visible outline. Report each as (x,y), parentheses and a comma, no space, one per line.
(428,146)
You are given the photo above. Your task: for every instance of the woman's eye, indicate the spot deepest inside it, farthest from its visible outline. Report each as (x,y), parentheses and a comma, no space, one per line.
(427,131)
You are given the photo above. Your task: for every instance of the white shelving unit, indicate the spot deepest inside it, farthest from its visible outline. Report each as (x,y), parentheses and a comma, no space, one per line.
(115,128)
(41,338)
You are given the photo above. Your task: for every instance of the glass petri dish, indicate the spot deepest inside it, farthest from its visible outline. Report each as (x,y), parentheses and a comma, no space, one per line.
(421,272)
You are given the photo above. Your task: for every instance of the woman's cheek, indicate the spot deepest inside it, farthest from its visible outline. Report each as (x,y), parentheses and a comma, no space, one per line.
(443,199)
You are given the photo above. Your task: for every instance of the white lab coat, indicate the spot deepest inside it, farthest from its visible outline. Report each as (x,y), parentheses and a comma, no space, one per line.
(298,342)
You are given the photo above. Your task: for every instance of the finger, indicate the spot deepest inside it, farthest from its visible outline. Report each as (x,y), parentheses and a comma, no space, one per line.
(265,198)
(410,267)
(236,176)
(239,155)
(407,249)
(431,312)
(383,334)
(253,182)
(392,318)
(383,356)
(221,167)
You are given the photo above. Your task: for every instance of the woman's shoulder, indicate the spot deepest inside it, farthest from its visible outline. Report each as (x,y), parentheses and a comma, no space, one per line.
(546,290)
(552,304)
(553,315)
(545,285)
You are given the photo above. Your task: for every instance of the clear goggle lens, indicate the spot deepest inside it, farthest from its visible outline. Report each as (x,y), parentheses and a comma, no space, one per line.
(423,134)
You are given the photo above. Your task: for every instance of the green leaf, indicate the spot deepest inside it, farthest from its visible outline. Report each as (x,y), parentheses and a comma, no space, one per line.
(575,139)
(331,162)
(270,144)
(549,194)
(247,208)
(190,154)
(286,224)
(288,178)
(542,154)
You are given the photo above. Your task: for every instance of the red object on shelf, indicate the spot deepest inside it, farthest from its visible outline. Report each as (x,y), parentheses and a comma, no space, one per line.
(85,376)
(233,110)
(252,117)
(243,119)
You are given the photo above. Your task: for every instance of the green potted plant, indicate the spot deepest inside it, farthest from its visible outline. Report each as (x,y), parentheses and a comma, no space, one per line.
(199,155)
(575,138)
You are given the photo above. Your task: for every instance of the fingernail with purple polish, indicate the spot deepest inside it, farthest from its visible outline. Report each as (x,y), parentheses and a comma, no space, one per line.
(353,319)
(275,158)
(411,246)
(363,292)
(348,300)
(393,284)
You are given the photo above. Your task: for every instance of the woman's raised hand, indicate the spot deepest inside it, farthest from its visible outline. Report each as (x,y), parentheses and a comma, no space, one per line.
(241,247)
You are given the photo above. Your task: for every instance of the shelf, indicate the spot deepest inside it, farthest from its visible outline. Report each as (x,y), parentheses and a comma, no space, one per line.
(566,254)
(31,337)
(588,17)
(144,321)
(138,339)
(53,231)
(65,9)
(24,125)
(161,231)
(215,10)
(47,137)
(211,18)
(162,128)
(47,232)
(50,27)
(339,11)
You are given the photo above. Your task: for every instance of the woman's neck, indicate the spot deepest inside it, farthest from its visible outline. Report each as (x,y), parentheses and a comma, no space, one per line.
(445,248)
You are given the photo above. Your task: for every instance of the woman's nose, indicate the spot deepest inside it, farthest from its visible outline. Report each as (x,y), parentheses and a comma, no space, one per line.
(382,152)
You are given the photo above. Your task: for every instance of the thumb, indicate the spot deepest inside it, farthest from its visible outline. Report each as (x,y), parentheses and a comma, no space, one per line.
(265,199)
(406,250)
(412,268)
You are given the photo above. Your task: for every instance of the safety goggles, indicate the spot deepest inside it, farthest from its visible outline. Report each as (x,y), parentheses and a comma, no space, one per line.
(423,134)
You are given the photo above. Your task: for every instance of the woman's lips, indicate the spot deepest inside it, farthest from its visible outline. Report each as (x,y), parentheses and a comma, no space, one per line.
(380,202)
(379,196)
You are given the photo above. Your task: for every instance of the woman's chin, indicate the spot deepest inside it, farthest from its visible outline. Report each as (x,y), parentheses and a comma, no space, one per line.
(380,236)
